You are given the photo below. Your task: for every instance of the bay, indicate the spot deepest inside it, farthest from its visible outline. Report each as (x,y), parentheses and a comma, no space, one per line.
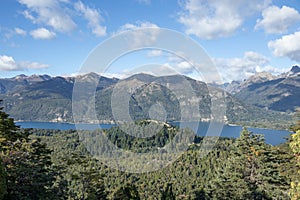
(273,137)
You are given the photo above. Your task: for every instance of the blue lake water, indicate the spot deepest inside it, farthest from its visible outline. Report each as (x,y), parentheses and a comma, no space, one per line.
(273,137)
(63,126)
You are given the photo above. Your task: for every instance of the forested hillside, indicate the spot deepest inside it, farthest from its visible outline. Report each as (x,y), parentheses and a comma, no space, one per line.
(278,93)
(50,99)
(149,100)
(245,168)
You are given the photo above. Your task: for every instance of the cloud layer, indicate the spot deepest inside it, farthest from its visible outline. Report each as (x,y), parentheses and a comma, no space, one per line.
(42,33)
(278,20)
(93,17)
(140,36)
(241,68)
(49,12)
(57,15)
(7,63)
(216,18)
(287,45)
(146,2)
(20,31)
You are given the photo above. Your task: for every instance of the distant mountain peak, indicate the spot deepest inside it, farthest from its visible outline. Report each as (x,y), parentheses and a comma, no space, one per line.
(43,77)
(237,86)
(21,76)
(295,69)
(92,74)
(32,78)
(264,75)
(258,77)
(141,77)
(89,77)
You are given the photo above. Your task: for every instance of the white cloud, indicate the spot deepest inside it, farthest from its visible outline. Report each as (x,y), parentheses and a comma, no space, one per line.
(141,36)
(270,69)
(138,25)
(58,15)
(155,53)
(20,31)
(217,18)
(179,65)
(146,2)
(287,45)
(27,15)
(253,57)
(241,68)
(172,61)
(49,12)
(165,69)
(278,20)
(43,34)
(93,17)
(184,67)
(7,63)
(175,66)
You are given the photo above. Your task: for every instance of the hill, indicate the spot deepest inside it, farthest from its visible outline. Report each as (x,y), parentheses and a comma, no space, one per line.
(16,83)
(166,98)
(276,93)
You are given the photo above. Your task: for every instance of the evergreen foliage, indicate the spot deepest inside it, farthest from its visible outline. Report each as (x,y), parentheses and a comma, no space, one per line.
(3,185)
(27,163)
(242,168)
(295,147)
(245,168)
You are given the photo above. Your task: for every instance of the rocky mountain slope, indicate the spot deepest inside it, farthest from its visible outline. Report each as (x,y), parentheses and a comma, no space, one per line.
(279,93)
(18,82)
(259,77)
(167,98)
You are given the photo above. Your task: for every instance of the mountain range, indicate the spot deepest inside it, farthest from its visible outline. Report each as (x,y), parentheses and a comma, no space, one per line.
(264,90)
(255,101)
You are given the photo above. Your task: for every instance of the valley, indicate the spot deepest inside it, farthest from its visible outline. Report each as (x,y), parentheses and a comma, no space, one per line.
(258,101)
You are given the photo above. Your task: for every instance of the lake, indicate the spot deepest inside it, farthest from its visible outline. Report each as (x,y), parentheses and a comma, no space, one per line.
(273,137)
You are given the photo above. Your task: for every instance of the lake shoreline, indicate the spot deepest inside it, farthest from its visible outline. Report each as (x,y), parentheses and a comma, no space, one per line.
(273,137)
(111,123)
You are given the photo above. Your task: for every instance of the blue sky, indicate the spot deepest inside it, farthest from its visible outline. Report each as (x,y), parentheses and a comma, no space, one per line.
(56,36)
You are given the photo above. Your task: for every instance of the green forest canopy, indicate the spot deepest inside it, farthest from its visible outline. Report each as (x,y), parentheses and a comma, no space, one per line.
(53,164)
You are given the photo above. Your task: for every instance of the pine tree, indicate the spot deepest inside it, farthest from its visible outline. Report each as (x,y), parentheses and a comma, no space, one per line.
(295,147)
(251,172)
(296,127)
(27,162)
(3,186)
(258,165)
(167,193)
(295,184)
(126,192)
(200,195)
